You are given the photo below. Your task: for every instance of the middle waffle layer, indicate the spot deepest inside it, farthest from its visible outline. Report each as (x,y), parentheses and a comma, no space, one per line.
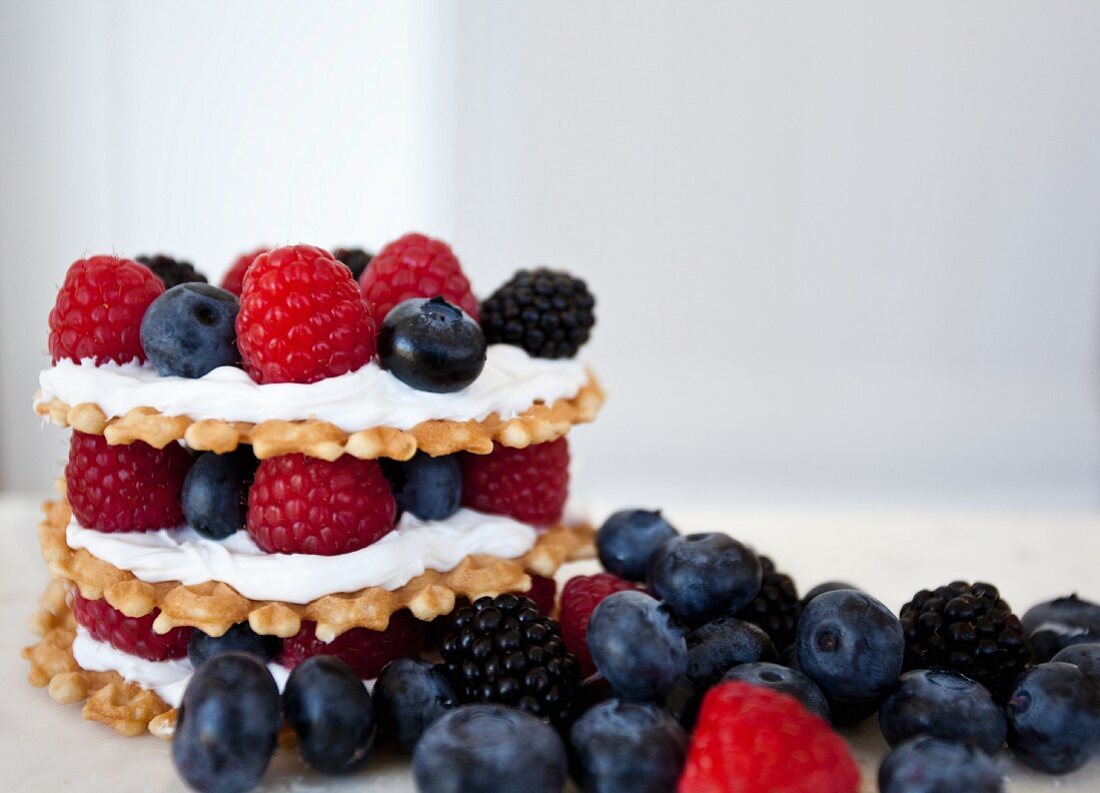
(213,607)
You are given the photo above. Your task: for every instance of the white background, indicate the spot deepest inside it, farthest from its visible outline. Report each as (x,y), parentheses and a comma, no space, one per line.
(843,251)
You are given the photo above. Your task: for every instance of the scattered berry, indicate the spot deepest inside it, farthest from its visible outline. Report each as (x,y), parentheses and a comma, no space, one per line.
(431,345)
(215,493)
(300,504)
(579,599)
(1060,623)
(301,318)
(240,638)
(99,308)
(932,765)
(945,705)
(409,696)
(530,484)
(355,259)
(172,272)
(133,635)
(546,312)
(428,487)
(628,539)
(851,645)
(125,488)
(489,748)
(331,713)
(227,723)
(704,576)
(786,681)
(967,628)
(503,650)
(1085,657)
(233,282)
(415,266)
(776,607)
(1054,718)
(750,738)
(367,652)
(190,330)
(628,746)
(720,645)
(821,589)
(637,646)
(543,593)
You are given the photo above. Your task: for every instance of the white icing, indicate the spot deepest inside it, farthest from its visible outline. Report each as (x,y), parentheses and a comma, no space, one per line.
(168,679)
(181,554)
(509,384)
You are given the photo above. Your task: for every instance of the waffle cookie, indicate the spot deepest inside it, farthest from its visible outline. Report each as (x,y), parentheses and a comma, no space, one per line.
(296,468)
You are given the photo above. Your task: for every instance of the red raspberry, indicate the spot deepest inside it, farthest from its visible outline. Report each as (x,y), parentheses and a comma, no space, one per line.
(233,281)
(542,592)
(301,318)
(579,599)
(133,635)
(299,504)
(415,266)
(125,488)
(99,309)
(365,651)
(530,484)
(753,738)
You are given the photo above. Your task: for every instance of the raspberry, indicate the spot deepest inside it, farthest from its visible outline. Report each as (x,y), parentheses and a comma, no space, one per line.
(365,651)
(753,738)
(579,599)
(125,488)
(99,309)
(542,593)
(133,635)
(299,504)
(415,266)
(233,281)
(301,318)
(529,484)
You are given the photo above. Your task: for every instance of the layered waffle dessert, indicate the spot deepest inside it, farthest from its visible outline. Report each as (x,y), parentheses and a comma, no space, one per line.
(322,456)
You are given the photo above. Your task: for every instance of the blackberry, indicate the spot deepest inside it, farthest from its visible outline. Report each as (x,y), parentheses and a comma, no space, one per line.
(546,312)
(504,650)
(172,272)
(776,607)
(968,628)
(356,259)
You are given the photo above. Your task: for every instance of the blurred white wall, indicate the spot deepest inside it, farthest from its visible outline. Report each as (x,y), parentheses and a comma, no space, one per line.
(842,251)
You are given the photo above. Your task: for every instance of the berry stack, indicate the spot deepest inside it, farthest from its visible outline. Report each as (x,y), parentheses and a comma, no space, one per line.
(317,458)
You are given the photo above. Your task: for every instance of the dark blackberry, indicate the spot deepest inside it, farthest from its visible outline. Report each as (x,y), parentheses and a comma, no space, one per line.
(967,628)
(546,312)
(172,272)
(356,259)
(776,607)
(503,650)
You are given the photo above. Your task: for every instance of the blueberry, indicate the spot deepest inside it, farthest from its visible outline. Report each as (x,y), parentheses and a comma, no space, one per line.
(408,697)
(191,330)
(784,680)
(489,749)
(331,713)
(227,723)
(627,746)
(1085,657)
(215,493)
(1060,623)
(240,638)
(821,589)
(628,539)
(1054,718)
(721,645)
(637,646)
(851,645)
(945,705)
(428,487)
(933,765)
(704,576)
(431,345)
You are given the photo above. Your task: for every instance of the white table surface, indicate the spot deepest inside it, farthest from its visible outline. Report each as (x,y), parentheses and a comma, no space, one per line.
(890,552)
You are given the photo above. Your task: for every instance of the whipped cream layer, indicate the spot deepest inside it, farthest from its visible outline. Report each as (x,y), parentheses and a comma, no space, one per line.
(167,679)
(414,546)
(509,384)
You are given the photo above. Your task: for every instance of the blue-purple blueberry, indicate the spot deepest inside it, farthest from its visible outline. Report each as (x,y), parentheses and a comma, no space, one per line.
(720,645)
(628,539)
(943,704)
(631,746)
(331,713)
(1054,718)
(409,696)
(932,765)
(704,576)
